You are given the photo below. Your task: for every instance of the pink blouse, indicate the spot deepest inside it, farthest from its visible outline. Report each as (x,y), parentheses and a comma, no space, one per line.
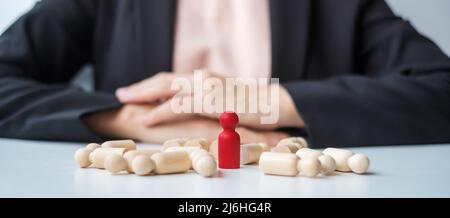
(229,37)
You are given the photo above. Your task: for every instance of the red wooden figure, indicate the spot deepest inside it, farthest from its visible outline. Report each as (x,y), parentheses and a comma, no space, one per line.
(229,142)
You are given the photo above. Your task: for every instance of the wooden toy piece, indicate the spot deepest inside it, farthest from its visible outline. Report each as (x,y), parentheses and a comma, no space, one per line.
(92,146)
(128,144)
(91,157)
(282,164)
(115,163)
(359,163)
(82,157)
(297,141)
(229,142)
(130,155)
(308,153)
(206,165)
(179,142)
(99,155)
(171,162)
(195,155)
(341,157)
(214,149)
(327,163)
(285,141)
(264,146)
(285,148)
(250,153)
(293,146)
(197,142)
(309,166)
(148,151)
(198,152)
(189,150)
(142,165)
(302,141)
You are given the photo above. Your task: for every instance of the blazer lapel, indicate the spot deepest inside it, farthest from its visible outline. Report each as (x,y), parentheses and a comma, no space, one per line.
(289,19)
(289,31)
(158,17)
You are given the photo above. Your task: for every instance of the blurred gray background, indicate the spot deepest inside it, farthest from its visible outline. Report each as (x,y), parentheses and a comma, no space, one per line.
(430,17)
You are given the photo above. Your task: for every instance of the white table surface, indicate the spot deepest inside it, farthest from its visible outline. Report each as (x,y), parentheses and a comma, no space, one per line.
(47,169)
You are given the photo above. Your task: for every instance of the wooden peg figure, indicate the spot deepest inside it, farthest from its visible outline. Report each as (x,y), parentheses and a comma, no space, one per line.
(229,142)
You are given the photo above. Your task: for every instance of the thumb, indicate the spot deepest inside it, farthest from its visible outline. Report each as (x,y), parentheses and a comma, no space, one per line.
(168,111)
(149,90)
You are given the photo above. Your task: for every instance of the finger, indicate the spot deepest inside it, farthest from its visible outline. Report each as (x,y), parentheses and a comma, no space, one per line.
(190,128)
(147,91)
(145,95)
(272,138)
(168,111)
(251,136)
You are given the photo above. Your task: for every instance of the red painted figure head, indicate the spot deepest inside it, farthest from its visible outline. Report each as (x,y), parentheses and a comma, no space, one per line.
(229,120)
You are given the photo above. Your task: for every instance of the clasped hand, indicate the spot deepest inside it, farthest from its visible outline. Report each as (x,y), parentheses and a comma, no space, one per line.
(148,113)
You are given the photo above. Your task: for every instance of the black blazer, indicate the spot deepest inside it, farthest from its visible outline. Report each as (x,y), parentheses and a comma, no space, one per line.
(358,74)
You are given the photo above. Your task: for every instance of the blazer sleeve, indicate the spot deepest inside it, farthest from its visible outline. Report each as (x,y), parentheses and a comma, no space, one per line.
(39,54)
(402,95)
